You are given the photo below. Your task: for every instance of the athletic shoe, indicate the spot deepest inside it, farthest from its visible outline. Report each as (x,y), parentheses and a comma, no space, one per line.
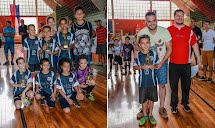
(163,112)
(12,63)
(6,63)
(152,120)
(186,108)
(90,96)
(174,109)
(76,103)
(129,73)
(209,80)
(143,120)
(202,78)
(42,101)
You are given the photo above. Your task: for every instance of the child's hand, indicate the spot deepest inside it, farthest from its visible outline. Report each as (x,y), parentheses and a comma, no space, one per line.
(80,96)
(44,47)
(23,95)
(22,85)
(83,85)
(53,97)
(144,66)
(70,101)
(151,67)
(61,48)
(50,52)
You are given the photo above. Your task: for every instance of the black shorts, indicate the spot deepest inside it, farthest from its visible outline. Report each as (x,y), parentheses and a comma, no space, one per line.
(63,101)
(148,93)
(110,56)
(118,60)
(127,58)
(47,97)
(101,49)
(34,67)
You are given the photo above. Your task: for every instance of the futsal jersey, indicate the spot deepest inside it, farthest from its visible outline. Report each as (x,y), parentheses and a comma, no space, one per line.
(32,47)
(18,78)
(147,77)
(65,40)
(46,81)
(51,46)
(67,84)
(82,75)
(117,50)
(127,49)
(83,34)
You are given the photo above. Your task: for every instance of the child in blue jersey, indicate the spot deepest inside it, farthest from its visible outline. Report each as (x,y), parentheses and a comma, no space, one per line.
(146,64)
(85,78)
(31,47)
(65,41)
(46,84)
(82,31)
(22,82)
(67,86)
(48,46)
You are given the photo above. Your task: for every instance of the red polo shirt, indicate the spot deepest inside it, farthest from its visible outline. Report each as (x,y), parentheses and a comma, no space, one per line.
(101,34)
(182,39)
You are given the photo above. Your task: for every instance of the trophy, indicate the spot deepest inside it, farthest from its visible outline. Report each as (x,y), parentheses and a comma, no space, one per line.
(65,45)
(47,45)
(22,81)
(88,76)
(147,60)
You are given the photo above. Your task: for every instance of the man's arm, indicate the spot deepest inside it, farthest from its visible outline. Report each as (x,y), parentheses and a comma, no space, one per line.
(168,53)
(196,51)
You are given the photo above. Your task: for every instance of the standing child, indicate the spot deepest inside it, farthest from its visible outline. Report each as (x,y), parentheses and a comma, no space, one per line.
(31,47)
(48,46)
(145,63)
(117,49)
(127,49)
(22,83)
(82,31)
(110,53)
(46,84)
(67,86)
(84,76)
(65,41)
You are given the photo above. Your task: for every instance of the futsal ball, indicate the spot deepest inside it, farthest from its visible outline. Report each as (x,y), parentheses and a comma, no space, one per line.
(26,102)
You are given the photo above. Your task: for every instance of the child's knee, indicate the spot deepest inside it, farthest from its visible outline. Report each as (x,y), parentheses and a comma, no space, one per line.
(18,104)
(38,96)
(31,95)
(93,83)
(66,110)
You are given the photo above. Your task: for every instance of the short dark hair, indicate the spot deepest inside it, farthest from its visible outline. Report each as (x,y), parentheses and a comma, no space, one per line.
(8,21)
(207,21)
(62,61)
(143,37)
(19,58)
(82,57)
(49,18)
(150,14)
(178,10)
(127,37)
(62,19)
(31,25)
(44,60)
(193,19)
(78,8)
(115,39)
(46,27)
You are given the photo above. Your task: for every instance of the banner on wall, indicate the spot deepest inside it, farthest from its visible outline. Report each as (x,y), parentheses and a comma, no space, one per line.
(17,13)
(12,12)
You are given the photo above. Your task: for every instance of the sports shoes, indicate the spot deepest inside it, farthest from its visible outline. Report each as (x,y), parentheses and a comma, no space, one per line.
(174,110)
(186,108)
(6,63)
(163,112)
(90,96)
(143,120)
(202,78)
(76,103)
(152,120)
(12,63)
(209,80)
(42,101)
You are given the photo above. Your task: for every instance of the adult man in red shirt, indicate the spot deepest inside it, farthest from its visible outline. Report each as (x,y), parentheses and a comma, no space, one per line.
(101,34)
(180,68)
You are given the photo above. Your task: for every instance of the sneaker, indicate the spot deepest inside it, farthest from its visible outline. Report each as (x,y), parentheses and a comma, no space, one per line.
(6,63)
(143,120)
(174,109)
(129,73)
(202,78)
(76,103)
(186,108)
(140,114)
(152,120)
(42,101)
(163,112)
(90,96)
(209,80)
(12,63)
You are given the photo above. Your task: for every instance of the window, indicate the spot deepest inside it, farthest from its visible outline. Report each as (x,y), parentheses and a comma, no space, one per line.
(5,7)
(43,9)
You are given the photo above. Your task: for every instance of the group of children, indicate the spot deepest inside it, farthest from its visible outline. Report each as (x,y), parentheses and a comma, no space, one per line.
(53,80)
(120,53)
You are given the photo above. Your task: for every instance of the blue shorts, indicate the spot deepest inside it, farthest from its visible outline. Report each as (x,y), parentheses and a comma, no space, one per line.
(47,97)
(8,46)
(162,74)
(34,67)
(63,101)
(88,57)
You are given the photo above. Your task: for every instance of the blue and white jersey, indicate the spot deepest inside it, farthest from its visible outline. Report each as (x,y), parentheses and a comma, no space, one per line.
(147,77)
(51,46)
(46,82)
(18,78)
(60,41)
(32,46)
(67,83)
(83,41)
(117,50)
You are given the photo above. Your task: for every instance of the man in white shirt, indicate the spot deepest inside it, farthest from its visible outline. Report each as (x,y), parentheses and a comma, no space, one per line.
(208,37)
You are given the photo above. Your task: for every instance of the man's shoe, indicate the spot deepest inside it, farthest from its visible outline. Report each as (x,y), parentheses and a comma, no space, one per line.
(163,112)
(186,108)
(6,63)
